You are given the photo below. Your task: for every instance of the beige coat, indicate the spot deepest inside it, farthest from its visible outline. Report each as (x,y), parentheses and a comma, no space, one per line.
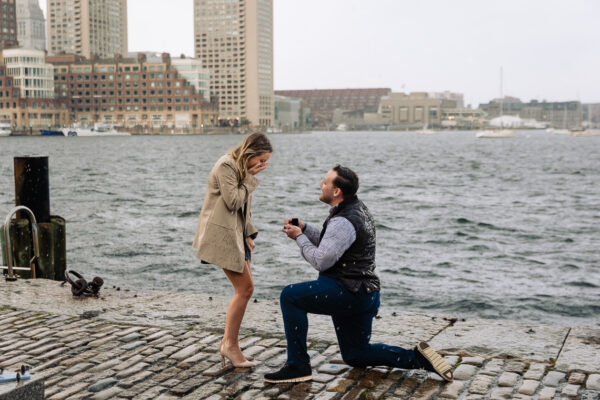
(223,226)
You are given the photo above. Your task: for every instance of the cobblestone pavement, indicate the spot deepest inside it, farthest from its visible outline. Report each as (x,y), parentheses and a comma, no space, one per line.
(91,358)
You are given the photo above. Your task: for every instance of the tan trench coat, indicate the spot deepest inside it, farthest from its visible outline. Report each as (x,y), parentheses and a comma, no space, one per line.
(223,225)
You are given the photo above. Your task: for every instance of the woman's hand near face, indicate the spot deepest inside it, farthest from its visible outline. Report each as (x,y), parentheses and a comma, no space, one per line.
(258,168)
(258,163)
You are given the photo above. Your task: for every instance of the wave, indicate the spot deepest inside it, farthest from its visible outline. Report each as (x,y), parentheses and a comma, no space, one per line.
(582,284)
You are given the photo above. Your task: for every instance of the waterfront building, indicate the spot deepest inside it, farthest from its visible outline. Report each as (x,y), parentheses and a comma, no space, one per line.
(591,114)
(142,93)
(290,114)
(192,70)
(560,115)
(8,24)
(30,72)
(463,118)
(31,25)
(27,98)
(87,27)
(413,110)
(323,103)
(234,40)
(447,95)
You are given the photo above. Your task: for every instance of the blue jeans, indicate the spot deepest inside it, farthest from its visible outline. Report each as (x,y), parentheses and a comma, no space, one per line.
(352,315)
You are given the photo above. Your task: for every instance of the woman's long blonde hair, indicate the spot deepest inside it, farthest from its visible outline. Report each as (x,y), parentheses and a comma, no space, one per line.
(255,144)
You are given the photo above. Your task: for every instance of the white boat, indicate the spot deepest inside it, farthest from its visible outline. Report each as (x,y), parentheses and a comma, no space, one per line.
(97,130)
(495,133)
(342,128)
(425,131)
(5,129)
(557,131)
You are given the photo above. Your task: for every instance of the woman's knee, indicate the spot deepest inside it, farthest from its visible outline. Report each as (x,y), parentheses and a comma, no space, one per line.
(245,291)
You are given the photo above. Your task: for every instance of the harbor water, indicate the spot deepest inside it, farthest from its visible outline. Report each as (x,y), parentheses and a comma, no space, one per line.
(492,228)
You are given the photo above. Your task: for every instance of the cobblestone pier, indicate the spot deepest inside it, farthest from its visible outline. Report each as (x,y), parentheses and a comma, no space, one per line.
(158,345)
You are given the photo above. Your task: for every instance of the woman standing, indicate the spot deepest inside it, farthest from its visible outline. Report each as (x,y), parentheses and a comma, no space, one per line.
(225,234)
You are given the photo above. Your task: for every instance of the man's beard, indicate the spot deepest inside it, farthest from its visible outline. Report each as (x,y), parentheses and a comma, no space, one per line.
(324,198)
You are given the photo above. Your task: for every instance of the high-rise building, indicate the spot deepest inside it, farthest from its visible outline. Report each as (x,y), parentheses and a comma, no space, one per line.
(8,24)
(234,40)
(31,25)
(87,27)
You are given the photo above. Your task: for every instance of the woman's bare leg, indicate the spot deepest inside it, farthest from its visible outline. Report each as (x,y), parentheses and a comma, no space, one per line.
(243,289)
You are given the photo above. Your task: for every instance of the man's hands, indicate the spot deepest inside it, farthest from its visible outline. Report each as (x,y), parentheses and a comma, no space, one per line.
(292,231)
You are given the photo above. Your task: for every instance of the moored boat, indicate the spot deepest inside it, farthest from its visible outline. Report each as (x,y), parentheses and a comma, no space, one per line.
(51,132)
(5,129)
(96,130)
(495,134)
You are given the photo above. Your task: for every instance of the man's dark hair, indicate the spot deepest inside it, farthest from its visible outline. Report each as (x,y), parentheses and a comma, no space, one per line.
(346,181)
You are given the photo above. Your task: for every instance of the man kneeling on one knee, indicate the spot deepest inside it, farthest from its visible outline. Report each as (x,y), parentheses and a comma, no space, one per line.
(347,289)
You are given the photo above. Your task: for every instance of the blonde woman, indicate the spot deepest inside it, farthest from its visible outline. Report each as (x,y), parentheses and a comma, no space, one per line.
(225,234)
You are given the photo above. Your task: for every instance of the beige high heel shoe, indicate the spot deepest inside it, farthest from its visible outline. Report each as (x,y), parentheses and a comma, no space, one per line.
(225,355)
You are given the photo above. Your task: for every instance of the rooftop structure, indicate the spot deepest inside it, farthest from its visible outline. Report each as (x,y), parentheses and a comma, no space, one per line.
(31,25)
(87,27)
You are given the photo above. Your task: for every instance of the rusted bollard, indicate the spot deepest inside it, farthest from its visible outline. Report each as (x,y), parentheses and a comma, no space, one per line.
(32,190)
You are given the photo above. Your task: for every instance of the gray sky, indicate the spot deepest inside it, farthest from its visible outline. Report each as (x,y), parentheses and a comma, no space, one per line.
(548,49)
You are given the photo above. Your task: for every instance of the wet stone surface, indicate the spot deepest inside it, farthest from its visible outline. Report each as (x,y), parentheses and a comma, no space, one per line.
(157,348)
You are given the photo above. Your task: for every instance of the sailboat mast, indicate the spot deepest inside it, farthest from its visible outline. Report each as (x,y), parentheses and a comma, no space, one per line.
(501,92)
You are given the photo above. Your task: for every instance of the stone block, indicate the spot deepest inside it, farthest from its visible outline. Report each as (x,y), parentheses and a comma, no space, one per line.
(452,390)
(333,369)
(528,387)
(547,393)
(508,379)
(593,382)
(501,393)
(553,378)
(473,361)
(106,394)
(464,372)
(493,367)
(103,384)
(535,371)
(339,385)
(323,378)
(570,390)
(481,384)
(576,378)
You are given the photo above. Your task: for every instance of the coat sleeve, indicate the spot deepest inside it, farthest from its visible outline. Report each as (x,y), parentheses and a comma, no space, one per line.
(233,195)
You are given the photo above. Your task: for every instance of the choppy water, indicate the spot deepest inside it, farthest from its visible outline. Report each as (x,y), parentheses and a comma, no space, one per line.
(468,227)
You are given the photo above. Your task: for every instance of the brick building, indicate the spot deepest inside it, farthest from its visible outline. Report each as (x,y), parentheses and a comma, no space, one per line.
(323,102)
(131,92)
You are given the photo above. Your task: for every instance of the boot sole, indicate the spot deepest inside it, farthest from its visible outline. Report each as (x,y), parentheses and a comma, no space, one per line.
(292,380)
(439,364)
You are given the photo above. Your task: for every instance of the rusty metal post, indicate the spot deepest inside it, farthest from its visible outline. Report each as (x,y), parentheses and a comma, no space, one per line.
(32,186)
(32,190)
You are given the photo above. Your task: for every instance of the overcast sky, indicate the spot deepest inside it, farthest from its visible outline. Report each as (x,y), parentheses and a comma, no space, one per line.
(548,49)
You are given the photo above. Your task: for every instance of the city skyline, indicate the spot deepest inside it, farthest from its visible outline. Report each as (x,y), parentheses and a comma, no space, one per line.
(545,48)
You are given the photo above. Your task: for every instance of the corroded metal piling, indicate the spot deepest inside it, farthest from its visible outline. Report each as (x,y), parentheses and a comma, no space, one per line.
(32,190)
